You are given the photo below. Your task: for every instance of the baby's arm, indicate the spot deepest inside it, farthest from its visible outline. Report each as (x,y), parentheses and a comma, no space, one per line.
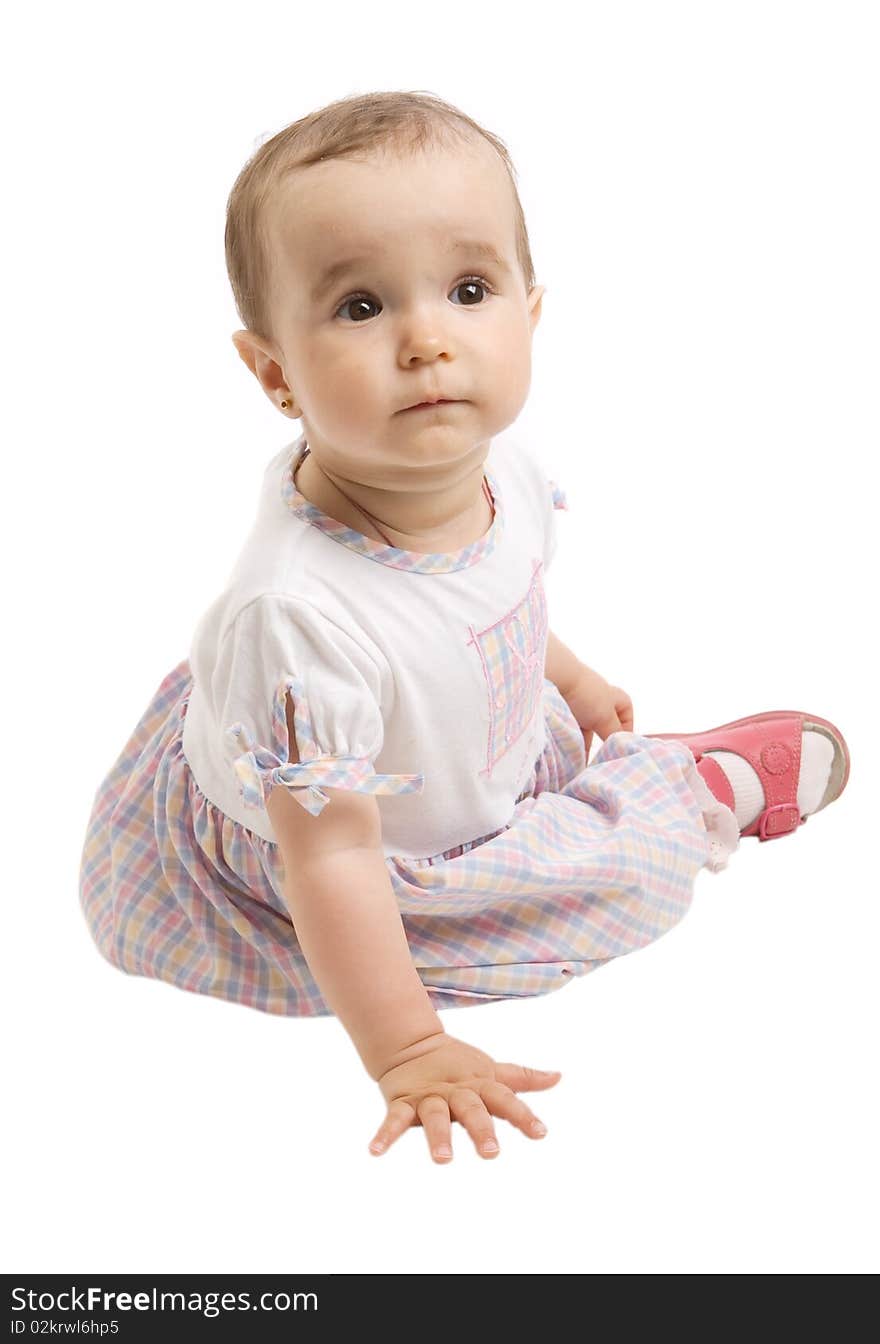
(596,705)
(343,908)
(342,904)
(561,666)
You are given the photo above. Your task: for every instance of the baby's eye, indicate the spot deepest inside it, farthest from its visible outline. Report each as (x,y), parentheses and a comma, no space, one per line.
(472,282)
(362,300)
(469,283)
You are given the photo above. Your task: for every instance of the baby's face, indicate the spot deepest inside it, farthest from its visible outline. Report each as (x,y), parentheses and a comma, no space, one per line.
(434,304)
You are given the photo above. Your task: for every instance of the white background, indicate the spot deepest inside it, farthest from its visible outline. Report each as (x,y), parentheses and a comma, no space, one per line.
(700,185)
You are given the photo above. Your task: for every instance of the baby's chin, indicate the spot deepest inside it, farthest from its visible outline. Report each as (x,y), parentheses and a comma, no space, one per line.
(418,467)
(405,446)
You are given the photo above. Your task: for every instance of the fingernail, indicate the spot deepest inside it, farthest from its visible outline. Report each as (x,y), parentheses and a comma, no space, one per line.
(538,1128)
(443,1151)
(377,1146)
(490,1146)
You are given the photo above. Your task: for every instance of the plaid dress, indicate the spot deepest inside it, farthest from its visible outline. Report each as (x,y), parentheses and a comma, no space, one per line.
(595,861)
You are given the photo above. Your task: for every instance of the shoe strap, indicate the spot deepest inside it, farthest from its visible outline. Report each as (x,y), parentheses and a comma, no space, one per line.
(779,820)
(717,781)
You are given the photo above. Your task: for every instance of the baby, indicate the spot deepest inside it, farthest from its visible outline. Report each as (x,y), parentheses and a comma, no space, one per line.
(366,792)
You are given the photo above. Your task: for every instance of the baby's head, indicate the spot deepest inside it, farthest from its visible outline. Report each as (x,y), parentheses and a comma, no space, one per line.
(378,256)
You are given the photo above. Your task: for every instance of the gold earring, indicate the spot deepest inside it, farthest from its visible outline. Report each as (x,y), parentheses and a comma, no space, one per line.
(284,405)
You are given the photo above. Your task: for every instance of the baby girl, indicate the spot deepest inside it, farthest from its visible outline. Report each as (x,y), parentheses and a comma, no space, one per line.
(366,791)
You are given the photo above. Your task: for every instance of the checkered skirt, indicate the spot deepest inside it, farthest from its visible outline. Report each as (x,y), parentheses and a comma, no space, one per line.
(595,862)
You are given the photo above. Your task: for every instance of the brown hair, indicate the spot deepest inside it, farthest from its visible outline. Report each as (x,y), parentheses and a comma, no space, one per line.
(404,121)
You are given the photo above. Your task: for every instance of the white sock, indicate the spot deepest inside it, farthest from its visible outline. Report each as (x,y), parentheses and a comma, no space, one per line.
(817,754)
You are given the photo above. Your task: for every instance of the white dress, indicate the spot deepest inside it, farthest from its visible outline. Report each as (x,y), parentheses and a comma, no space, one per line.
(419,679)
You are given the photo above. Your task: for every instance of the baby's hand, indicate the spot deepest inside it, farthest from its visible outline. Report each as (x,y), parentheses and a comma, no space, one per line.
(450,1081)
(598,707)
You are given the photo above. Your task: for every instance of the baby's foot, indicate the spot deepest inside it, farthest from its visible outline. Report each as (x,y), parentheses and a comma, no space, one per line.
(772,770)
(817,756)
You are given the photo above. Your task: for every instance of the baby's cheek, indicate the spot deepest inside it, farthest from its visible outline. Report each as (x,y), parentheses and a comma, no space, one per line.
(514,364)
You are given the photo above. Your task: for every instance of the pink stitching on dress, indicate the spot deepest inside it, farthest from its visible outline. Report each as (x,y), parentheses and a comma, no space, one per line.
(512,654)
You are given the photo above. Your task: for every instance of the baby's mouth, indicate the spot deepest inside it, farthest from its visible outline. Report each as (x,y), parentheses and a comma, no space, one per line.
(430,405)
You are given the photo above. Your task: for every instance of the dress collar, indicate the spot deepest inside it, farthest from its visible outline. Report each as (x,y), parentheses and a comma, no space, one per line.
(414,562)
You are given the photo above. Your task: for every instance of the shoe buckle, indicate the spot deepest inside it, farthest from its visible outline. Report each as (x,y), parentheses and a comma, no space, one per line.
(785,819)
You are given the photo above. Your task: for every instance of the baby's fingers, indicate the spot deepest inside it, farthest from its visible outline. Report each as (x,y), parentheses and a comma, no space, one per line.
(434,1115)
(469,1110)
(507,1106)
(520,1079)
(397,1121)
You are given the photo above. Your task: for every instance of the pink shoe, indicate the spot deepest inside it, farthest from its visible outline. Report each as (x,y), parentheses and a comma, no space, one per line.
(771,743)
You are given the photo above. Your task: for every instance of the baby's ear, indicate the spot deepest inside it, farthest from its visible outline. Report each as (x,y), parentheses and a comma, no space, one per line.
(259,355)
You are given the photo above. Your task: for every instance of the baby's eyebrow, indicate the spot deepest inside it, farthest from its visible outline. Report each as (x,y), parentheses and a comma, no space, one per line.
(329,277)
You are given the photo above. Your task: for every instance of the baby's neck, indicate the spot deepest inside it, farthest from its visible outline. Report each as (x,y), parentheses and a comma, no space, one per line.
(462,528)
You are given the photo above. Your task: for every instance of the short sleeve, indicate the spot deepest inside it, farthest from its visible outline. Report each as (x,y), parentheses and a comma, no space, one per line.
(279,646)
(556,499)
